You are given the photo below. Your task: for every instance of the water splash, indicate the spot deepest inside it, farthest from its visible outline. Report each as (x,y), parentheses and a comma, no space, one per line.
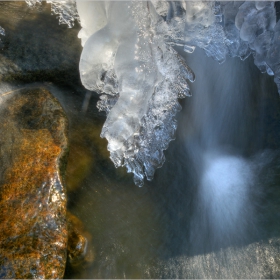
(224,198)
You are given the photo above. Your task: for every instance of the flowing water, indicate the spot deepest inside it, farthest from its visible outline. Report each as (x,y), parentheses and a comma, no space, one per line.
(212,210)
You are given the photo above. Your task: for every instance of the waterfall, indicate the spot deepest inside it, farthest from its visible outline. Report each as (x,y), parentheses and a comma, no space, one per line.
(219,172)
(220,116)
(212,208)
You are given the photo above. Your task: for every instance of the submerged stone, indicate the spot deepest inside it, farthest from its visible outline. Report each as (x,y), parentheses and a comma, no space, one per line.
(79,242)
(33,227)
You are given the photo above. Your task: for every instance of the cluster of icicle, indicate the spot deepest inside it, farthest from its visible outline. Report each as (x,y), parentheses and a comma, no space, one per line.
(140,76)
(64,9)
(128,58)
(235,28)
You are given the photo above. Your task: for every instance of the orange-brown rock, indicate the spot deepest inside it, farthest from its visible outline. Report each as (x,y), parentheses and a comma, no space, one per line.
(79,247)
(33,228)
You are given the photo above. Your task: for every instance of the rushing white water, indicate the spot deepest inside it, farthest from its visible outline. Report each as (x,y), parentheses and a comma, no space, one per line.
(224,198)
(217,140)
(224,190)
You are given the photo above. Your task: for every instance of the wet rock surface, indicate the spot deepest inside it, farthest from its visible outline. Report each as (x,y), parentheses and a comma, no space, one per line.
(79,247)
(33,227)
(35,47)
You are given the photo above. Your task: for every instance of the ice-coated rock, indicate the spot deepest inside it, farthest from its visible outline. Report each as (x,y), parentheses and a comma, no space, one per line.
(35,47)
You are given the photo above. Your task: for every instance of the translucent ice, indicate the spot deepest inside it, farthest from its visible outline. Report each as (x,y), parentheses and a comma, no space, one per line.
(91,21)
(234,28)
(65,10)
(128,58)
(257,24)
(142,78)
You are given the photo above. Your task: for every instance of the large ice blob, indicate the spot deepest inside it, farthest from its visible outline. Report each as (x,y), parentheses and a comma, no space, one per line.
(140,77)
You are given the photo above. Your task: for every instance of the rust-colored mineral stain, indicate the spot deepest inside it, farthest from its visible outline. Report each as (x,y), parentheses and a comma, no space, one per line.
(33,230)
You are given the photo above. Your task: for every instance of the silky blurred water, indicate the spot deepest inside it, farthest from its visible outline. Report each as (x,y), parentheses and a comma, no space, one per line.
(212,210)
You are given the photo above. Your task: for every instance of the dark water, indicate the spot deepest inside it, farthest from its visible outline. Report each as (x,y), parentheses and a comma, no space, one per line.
(212,210)
(174,227)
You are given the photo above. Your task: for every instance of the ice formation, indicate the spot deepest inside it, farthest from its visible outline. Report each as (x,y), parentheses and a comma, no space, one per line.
(141,78)
(32,3)
(131,61)
(64,9)
(128,58)
(234,28)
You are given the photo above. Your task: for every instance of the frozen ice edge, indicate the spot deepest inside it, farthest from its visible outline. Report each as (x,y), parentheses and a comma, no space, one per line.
(139,90)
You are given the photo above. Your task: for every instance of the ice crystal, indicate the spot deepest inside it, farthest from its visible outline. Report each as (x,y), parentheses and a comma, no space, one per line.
(128,58)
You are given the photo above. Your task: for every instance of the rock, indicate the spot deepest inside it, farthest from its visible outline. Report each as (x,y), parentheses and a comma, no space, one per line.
(79,247)
(35,47)
(33,144)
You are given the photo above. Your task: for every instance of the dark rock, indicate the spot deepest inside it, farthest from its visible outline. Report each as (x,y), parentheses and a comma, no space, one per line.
(35,47)
(79,242)
(33,227)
